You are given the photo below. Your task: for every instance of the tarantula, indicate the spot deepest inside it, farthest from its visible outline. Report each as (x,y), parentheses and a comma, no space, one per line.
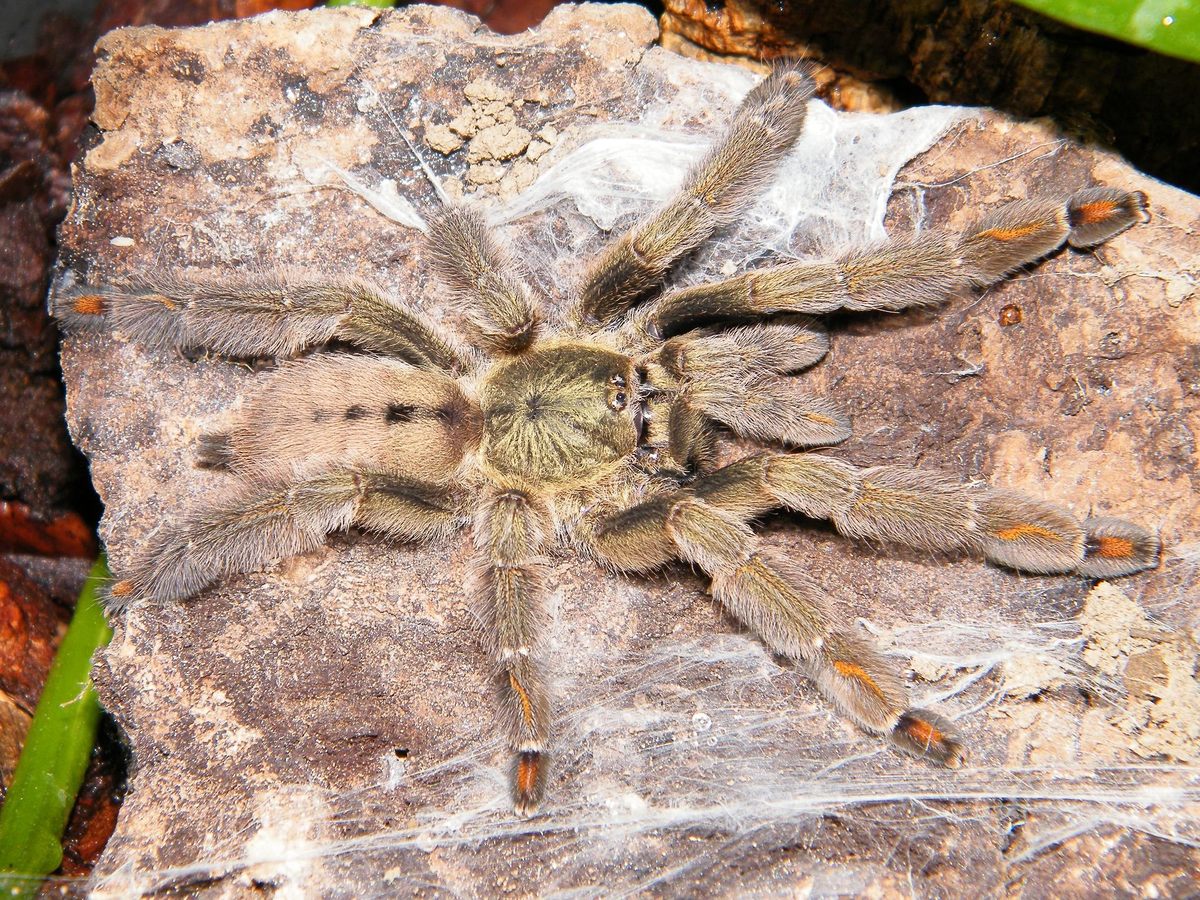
(600,434)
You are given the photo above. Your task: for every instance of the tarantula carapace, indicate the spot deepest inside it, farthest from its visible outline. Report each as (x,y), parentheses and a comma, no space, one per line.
(600,433)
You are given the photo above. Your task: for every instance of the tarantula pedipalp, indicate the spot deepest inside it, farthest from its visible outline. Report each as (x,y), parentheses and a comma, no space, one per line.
(600,433)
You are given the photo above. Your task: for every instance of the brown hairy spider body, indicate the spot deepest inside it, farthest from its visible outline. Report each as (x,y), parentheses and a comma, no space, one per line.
(601,434)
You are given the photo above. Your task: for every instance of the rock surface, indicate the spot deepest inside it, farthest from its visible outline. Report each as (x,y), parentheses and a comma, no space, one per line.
(981,52)
(324,728)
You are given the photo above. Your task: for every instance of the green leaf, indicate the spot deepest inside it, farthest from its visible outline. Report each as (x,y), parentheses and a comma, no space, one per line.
(56,753)
(1167,26)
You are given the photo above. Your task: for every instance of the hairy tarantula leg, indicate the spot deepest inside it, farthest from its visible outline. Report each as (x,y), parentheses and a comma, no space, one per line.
(929,512)
(769,410)
(786,608)
(510,531)
(1114,547)
(924,270)
(734,378)
(495,297)
(259,316)
(713,193)
(676,439)
(266,524)
(761,351)
(338,410)
(1035,536)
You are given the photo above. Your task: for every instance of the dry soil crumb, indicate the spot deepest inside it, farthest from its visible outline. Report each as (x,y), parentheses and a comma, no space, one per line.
(487,125)
(1162,706)
(519,176)
(489,172)
(502,142)
(443,140)
(483,90)
(1110,622)
(1026,674)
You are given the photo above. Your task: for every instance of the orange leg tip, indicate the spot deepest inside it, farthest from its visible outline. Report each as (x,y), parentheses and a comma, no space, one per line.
(1114,547)
(121,588)
(1017,532)
(89,305)
(1006,235)
(526,703)
(1098,214)
(1096,211)
(857,673)
(927,735)
(1111,547)
(529,782)
(1134,205)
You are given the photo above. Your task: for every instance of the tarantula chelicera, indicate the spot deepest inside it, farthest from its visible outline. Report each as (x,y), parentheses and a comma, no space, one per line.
(600,434)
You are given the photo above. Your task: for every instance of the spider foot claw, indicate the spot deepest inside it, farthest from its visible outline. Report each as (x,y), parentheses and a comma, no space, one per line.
(929,736)
(529,782)
(1114,547)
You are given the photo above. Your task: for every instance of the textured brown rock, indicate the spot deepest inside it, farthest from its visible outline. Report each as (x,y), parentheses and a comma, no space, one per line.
(980,52)
(324,728)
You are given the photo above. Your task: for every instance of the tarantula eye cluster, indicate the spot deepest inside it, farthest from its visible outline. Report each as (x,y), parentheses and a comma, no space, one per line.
(620,397)
(599,434)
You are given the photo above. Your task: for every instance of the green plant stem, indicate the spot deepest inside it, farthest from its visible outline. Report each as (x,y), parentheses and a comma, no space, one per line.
(56,753)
